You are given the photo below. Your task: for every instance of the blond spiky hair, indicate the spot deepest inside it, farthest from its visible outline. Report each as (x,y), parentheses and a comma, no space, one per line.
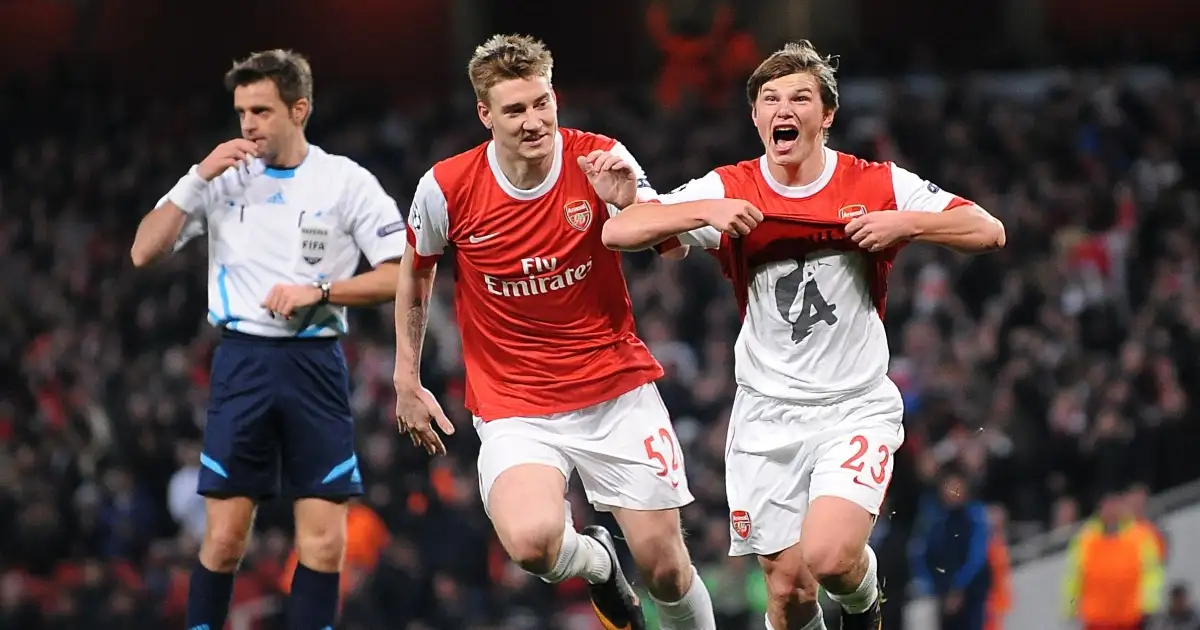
(505,57)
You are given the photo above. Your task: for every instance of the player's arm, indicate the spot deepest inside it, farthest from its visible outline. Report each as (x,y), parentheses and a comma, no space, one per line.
(414,285)
(929,214)
(181,215)
(644,225)
(428,235)
(696,213)
(376,286)
(417,411)
(639,190)
(968,229)
(177,218)
(378,230)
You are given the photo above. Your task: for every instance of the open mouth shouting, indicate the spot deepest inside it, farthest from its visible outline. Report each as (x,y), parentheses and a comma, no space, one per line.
(784,137)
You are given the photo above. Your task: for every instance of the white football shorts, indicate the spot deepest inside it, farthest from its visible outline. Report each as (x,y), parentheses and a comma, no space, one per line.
(624,449)
(780,455)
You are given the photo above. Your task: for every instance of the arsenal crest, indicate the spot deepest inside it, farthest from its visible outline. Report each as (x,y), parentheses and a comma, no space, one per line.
(740,520)
(579,214)
(850,212)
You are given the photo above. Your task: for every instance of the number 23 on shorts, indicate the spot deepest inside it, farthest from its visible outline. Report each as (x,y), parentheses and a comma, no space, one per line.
(866,460)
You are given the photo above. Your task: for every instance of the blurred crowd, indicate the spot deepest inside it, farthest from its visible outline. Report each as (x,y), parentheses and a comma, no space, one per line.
(1047,376)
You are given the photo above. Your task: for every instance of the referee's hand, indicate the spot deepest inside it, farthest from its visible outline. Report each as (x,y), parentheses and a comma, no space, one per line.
(284,299)
(416,412)
(226,156)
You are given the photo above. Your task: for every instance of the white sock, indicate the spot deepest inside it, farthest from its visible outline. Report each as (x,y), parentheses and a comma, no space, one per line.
(693,612)
(580,556)
(817,623)
(867,592)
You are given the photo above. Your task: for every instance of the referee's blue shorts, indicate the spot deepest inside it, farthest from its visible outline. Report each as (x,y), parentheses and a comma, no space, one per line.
(279,421)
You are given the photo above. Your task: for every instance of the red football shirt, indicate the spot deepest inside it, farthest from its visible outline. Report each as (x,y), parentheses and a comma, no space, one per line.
(545,317)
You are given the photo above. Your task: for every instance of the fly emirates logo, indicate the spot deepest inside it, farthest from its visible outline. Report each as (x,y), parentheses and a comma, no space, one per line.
(541,275)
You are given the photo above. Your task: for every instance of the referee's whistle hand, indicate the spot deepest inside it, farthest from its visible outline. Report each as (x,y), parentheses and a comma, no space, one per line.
(416,413)
(226,156)
(284,299)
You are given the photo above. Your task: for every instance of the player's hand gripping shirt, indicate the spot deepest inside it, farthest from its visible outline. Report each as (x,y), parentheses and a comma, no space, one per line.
(546,321)
(297,226)
(813,300)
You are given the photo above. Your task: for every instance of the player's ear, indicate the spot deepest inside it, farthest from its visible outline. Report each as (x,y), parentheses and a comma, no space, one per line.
(827,119)
(300,110)
(485,114)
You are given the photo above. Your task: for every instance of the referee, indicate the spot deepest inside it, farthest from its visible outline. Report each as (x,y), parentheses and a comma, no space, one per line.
(287,224)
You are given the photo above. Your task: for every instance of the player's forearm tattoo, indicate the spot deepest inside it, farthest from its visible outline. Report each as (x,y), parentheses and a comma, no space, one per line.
(415,326)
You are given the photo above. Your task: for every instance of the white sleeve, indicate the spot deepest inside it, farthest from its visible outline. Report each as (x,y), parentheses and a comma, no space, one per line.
(428,220)
(375,220)
(703,189)
(196,225)
(197,221)
(645,191)
(914,194)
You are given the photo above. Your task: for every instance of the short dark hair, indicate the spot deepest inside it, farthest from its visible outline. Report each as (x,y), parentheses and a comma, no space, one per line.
(288,70)
(795,58)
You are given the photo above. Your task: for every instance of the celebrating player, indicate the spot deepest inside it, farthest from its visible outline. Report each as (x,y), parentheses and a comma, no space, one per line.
(807,235)
(287,224)
(557,380)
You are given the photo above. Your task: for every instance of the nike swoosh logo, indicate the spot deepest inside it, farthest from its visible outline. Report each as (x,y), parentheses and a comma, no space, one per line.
(863,483)
(480,239)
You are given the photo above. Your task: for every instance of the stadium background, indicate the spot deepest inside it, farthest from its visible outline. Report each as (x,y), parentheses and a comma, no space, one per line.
(1059,369)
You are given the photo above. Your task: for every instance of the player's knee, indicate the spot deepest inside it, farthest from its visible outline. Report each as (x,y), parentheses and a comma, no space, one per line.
(664,564)
(226,532)
(533,546)
(668,581)
(788,580)
(223,548)
(829,559)
(320,533)
(321,548)
(321,543)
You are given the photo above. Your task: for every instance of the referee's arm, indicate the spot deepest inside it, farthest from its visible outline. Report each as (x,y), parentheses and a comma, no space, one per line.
(179,216)
(376,286)
(378,230)
(157,233)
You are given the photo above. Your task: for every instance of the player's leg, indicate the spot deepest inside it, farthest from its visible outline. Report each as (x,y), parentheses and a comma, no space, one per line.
(239,464)
(834,545)
(854,467)
(313,602)
(630,464)
(768,468)
(655,538)
(320,472)
(522,479)
(791,592)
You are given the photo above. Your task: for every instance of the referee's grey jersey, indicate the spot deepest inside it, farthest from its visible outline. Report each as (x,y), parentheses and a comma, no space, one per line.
(268,226)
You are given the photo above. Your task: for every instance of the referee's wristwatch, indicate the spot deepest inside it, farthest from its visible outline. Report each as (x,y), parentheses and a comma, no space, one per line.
(324,287)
